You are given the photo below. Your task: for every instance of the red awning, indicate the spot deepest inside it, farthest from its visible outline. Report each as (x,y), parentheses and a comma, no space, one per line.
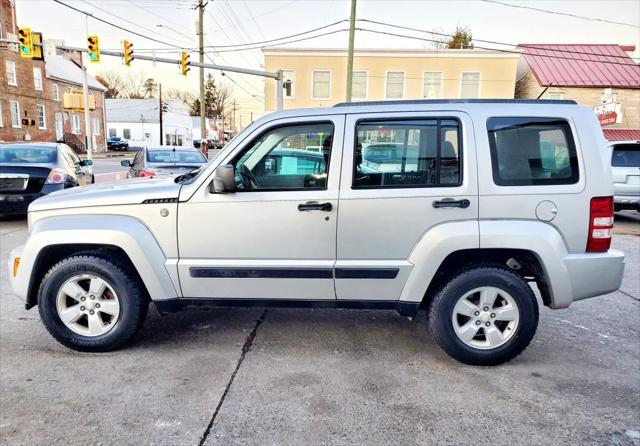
(621,134)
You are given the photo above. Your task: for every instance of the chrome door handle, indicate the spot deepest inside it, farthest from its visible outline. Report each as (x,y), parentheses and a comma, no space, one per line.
(315,206)
(451,203)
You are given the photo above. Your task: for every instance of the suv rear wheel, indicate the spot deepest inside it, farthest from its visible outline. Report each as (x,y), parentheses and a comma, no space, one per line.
(89,304)
(484,316)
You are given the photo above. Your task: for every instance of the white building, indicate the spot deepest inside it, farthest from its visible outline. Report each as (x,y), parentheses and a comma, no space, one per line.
(138,120)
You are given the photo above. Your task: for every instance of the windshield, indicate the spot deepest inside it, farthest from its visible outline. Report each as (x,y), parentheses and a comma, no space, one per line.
(114,138)
(28,154)
(626,155)
(177,156)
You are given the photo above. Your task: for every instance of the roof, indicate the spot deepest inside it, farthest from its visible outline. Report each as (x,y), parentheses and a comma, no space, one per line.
(132,110)
(67,71)
(621,134)
(581,65)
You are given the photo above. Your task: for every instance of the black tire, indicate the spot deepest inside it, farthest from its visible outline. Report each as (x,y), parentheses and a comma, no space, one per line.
(133,300)
(442,307)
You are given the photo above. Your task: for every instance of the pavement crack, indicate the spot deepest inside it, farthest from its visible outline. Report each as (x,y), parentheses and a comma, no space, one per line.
(630,295)
(248,343)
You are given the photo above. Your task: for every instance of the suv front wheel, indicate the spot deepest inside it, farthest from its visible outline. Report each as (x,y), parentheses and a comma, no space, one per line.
(89,304)
(484,316)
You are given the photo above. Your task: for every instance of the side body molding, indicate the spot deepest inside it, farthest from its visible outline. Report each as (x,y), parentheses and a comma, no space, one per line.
(429,253)
(541,239)
(127,233)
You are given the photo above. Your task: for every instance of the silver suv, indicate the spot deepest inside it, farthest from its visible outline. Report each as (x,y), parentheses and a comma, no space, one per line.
(469,204)
(625,166)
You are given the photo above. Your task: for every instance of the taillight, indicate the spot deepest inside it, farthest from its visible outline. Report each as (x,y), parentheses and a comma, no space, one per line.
(147,173)
(600,224)
(56,176)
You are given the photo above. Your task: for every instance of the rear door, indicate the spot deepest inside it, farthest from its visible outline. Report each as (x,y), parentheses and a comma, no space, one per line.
(403,174)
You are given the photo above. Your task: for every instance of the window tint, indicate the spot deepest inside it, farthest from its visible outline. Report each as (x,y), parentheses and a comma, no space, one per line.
(532,151)
(626,155)
(29,154)
(285,158)
(413,153)
(175,156)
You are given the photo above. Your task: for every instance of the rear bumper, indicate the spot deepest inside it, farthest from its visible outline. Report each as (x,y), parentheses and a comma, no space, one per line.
(594,274)
(626,202)
(18,203)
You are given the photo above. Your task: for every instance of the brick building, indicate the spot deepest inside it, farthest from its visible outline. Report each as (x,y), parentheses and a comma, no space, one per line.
(603,77)
(32,91)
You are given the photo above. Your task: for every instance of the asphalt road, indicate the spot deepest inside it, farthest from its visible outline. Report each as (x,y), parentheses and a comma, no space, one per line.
(291,377)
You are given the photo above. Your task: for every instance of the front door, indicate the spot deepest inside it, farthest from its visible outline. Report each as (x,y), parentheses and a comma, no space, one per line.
(59,127)
(403,174)
(275,237)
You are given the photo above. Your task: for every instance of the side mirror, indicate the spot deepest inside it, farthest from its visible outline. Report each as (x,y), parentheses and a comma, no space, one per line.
(224,180)
(85,163)
(125,163)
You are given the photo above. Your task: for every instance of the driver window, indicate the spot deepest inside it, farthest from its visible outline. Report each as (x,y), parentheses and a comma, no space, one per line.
(286,158)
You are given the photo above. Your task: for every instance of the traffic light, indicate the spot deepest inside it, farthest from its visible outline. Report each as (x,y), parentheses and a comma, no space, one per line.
(127,52)
(25,42)
(184,63)
(94,48)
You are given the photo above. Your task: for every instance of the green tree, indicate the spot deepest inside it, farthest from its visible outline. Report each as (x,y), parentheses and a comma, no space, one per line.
(217,99)
(150,88)
(461,39)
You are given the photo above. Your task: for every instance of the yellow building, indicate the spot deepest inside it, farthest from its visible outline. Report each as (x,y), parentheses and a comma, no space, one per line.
(318,76)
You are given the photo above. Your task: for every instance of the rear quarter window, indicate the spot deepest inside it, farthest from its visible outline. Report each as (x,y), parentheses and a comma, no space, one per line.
(626,155)
(532,151)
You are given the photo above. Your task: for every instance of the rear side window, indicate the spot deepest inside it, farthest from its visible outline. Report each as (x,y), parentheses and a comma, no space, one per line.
(626,155)
(407,153)
(532,151)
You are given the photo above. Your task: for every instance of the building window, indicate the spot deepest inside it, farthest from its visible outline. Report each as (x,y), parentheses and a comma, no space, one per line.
(56,92)
(289,77)
(432,85)
(470,85)
(96,126)
(1,119)
(359,85)
(75,124)
(321,84)
(42,121)
(112,133)
(11,73)
(15,113)
(126,133)
(556,96)
(395,85)
(37,78)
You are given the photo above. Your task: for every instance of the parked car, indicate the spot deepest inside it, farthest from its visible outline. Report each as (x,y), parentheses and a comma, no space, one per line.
(625,165)
(164,160)
(521,195)
(31,170)
(117,143)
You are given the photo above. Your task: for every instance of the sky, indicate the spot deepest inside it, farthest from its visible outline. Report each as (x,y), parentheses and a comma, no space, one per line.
(244,21)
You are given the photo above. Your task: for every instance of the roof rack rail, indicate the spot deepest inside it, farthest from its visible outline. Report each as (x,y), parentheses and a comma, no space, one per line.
(460,101)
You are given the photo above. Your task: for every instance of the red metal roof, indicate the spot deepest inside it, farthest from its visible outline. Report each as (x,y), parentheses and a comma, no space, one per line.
(621,134)
(582,65)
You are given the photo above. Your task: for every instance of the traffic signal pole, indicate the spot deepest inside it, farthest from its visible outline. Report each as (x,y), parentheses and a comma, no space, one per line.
(88,136)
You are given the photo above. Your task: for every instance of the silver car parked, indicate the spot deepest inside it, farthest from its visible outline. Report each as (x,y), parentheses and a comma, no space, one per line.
(164,161)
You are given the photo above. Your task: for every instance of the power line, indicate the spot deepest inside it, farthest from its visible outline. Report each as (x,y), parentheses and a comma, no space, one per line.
(492,49)
(114,25)
(566,14)
(494,42)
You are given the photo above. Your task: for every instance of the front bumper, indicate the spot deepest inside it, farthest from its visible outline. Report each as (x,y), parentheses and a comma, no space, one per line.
(595,274)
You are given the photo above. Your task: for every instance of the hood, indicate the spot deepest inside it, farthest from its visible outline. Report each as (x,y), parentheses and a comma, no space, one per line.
(133,191)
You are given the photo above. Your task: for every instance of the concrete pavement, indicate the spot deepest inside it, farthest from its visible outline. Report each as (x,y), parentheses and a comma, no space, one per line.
(291,377)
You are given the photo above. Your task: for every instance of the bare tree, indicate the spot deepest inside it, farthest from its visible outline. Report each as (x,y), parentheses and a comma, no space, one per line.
(134,86)
(113,82)
(440,40)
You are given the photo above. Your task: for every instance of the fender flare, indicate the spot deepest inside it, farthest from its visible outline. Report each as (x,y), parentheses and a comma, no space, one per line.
(126,233)
(429,253)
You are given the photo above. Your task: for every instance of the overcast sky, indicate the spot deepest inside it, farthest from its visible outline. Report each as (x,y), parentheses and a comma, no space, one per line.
(241,21)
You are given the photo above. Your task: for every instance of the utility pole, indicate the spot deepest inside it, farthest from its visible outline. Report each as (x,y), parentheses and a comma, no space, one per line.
(161,110)
(203,120)
(352,35)
(88,138)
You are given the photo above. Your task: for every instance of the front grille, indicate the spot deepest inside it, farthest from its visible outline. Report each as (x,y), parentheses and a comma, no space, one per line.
(13,182)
